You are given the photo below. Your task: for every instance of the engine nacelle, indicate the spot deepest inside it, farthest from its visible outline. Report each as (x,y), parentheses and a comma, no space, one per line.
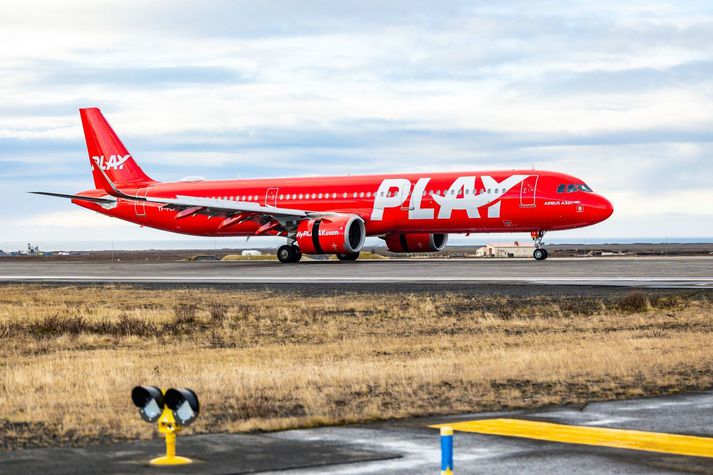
(331,235)
(416,242)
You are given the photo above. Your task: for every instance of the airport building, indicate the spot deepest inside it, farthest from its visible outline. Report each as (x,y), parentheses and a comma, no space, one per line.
(509,249)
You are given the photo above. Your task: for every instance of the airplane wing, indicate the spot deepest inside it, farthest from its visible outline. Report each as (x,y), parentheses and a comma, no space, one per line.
(205,205)
(225,206)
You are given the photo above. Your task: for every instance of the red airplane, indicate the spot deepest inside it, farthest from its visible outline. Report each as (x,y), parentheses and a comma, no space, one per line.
(333,215)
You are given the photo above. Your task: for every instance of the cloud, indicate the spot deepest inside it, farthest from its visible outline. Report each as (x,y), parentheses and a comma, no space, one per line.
(46,72)
(623,81)
(617,93)
(72,219)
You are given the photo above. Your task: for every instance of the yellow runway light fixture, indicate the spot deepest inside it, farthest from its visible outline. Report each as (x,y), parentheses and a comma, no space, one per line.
(173,409)
(149,400)
(184,404)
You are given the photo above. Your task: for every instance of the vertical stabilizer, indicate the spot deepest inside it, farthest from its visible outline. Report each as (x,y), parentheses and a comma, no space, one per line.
(108,153)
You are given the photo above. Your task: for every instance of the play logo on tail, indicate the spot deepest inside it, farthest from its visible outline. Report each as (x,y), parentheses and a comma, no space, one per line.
(108,153)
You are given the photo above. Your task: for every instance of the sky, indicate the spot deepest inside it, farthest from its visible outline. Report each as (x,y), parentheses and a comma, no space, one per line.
(617,93)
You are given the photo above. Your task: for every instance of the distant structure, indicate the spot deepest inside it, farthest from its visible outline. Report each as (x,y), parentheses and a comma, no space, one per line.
(509,249)
(32,250)
(251,252)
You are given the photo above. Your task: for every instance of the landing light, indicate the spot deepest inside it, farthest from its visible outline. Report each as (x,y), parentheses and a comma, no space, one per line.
(173,409)
(184,404)
(149,400)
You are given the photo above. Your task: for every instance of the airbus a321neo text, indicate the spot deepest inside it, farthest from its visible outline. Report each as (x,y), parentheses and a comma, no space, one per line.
(412,212)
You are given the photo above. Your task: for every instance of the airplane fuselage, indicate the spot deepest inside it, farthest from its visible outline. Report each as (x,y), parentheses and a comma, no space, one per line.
(454,202)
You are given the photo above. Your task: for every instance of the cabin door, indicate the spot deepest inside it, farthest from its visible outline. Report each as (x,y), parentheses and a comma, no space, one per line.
(271,197)
(528,191)
(140,206)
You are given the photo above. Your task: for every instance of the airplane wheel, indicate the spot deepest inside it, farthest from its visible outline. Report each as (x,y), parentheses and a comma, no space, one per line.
(298,253)
(287,254)
(540,254)
(348,257)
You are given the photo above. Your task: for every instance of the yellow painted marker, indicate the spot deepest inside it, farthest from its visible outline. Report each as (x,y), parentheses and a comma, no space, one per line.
(599,436)
(167,426)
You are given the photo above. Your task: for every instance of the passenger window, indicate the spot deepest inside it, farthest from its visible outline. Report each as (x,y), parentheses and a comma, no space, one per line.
(560,189)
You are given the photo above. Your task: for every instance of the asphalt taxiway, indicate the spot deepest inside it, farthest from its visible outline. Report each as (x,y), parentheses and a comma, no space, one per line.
(652,272)
(412,446)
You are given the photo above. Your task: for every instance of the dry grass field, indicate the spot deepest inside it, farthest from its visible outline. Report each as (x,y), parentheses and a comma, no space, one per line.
(69,356)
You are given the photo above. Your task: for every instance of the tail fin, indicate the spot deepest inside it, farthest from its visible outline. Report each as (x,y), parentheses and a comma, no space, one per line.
(108,153)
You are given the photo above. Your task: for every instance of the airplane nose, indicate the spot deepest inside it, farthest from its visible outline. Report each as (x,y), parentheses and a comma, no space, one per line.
(602,208)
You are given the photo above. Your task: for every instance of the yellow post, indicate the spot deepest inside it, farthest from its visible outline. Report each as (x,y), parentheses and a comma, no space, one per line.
(167,426)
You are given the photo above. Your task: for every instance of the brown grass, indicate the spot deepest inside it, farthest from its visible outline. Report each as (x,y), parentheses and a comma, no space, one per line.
(69,356)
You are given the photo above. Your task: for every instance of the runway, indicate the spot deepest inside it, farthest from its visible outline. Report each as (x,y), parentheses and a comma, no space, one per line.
(650,272)
(411,446)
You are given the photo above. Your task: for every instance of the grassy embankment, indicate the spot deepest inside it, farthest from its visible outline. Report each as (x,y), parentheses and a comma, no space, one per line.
(69,356)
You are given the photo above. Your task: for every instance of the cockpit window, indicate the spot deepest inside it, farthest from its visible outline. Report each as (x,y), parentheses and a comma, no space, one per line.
(571,188)
(560,189)
(584,187)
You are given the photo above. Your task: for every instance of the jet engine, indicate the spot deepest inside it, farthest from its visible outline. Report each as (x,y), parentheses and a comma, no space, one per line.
(416,242)
(342,234)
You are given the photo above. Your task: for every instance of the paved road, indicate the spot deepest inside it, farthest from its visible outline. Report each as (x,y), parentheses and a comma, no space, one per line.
(408,446)
(661,272)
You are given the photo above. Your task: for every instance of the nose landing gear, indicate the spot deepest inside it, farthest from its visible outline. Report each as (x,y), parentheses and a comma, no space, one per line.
(540,253)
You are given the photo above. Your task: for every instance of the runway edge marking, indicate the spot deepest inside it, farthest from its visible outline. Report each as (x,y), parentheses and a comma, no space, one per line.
(598,436)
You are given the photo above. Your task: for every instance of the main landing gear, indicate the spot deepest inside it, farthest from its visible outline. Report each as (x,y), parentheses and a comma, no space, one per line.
(540,253)
(289,253)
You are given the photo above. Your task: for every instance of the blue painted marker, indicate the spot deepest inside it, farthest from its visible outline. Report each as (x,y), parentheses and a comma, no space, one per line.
(446,451)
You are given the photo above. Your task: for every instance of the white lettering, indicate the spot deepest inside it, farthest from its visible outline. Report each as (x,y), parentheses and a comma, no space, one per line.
(452,200)
(494,210)
(461,195)
(386,199)
(115,162)
(415,211)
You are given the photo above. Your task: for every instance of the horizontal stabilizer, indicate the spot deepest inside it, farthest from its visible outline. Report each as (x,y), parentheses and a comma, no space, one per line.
(91,199)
